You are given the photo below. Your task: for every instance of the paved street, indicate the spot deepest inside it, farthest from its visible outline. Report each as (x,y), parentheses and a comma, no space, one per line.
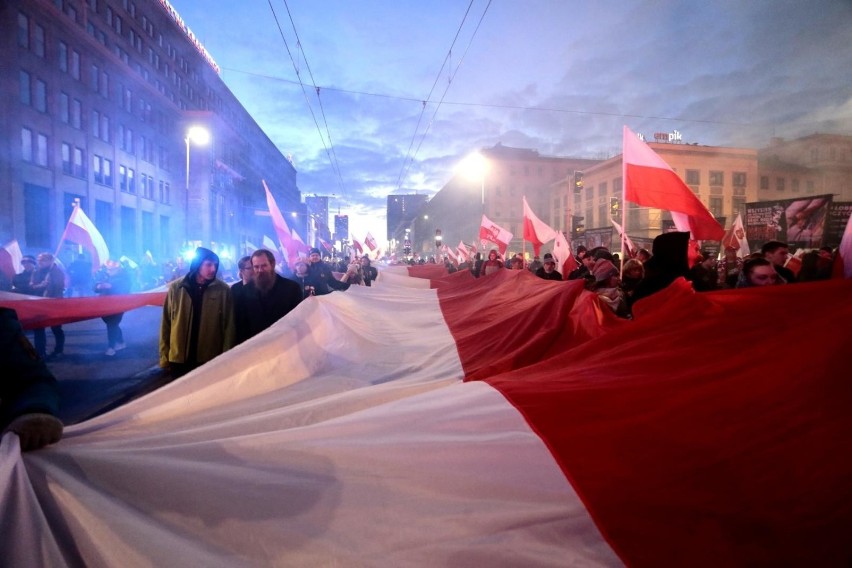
(90,382)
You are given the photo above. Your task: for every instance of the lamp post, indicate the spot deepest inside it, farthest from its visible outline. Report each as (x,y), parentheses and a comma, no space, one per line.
(474,167)
(199,136)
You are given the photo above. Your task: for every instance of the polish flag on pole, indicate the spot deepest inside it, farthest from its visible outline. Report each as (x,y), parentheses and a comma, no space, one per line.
(370,242)
(269,245)
(536,231)
(10,259)
(357,246)
(736,237)
(628,244)
(450,253)
(82,231)
(281,228)
(564,257)
(843,260)
(649,181)
(462,253)
(492,232)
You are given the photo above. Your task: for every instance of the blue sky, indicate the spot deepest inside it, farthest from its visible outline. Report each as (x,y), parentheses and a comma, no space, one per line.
(558,76)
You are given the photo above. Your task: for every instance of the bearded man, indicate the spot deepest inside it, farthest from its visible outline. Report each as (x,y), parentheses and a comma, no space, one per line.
(267,299)
(198,317)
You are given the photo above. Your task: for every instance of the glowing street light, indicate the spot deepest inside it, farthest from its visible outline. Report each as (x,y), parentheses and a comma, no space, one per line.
(474,167)
(199,136)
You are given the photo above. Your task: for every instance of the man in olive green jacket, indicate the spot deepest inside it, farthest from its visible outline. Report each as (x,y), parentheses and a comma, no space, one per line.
(198,317)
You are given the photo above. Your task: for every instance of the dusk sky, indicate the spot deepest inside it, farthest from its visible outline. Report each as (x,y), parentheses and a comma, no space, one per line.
(558,76)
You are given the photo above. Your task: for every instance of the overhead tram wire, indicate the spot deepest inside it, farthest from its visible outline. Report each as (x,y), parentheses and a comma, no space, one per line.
(495,106)
(449,83)
(403,169)
(304,92)
(319,100)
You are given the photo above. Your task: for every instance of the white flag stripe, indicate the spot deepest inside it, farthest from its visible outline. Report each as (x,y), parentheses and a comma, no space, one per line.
(290,442)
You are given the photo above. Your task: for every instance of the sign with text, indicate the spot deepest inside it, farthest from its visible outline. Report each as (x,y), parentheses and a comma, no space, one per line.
(799,222)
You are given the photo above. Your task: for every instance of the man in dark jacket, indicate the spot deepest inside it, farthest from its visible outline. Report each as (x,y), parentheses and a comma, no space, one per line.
(548,269)
(48,280)
(321,273)
(198,317)
(29,398)
(266,299)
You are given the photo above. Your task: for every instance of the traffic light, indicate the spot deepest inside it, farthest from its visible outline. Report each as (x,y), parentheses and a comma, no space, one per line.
(615,208)
(578,180)
(577,226)
(439,240)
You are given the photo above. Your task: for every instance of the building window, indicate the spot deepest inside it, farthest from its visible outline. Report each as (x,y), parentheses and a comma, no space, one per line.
(810,186)
(131,181)
(23,31)
(37,230)
(66,158)
(104,87)
(79,163)
(716,206)
(38,40)
(107,165)
(794,185)
(75,64)
(76,114)
(40,96)
(97,170)
(165,192)
(95,124)
(717,178)
(122,178)
(602,189)
(105,133)
(738,205)
(739,179)
(779,184)
(41,150)
(63,57)
(26,145)
(764,182)
(64,107)
(693,177)
(94,78)
(25,90)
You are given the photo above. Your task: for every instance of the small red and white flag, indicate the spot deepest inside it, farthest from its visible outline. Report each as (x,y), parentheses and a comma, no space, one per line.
(536,231)
(631,249)
(326,245)
(462,252)
(494,233)
(736,238)
(280,225)
(370,242)
(82,231)
(650,181)
(10,259)
(357,246)
(564,257)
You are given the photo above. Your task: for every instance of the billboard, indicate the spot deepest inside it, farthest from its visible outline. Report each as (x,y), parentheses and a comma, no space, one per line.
(800,223)
(835,224)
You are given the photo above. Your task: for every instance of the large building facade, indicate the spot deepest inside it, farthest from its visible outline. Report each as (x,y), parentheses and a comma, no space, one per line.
(401,211)
(101,98)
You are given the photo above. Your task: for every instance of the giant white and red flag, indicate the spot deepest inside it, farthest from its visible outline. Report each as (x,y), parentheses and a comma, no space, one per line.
(82,231)
(10,259)
(560,442)
(494,233)
(736,238)
(650,181)
(565,259)
(536,231)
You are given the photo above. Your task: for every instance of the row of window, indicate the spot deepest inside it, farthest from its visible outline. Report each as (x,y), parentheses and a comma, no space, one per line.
(34,149)
(781,184)
(717,177)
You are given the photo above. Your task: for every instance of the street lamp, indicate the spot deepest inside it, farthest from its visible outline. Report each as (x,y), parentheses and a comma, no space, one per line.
(474,167)
(199,136)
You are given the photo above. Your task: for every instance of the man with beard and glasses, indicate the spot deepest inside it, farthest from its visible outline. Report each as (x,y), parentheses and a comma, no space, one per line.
(267,299)
(198,317)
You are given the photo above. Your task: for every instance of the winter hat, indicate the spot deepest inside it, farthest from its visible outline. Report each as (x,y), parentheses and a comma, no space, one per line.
(28,258)
(315,251)
(604,270)
(548,258)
